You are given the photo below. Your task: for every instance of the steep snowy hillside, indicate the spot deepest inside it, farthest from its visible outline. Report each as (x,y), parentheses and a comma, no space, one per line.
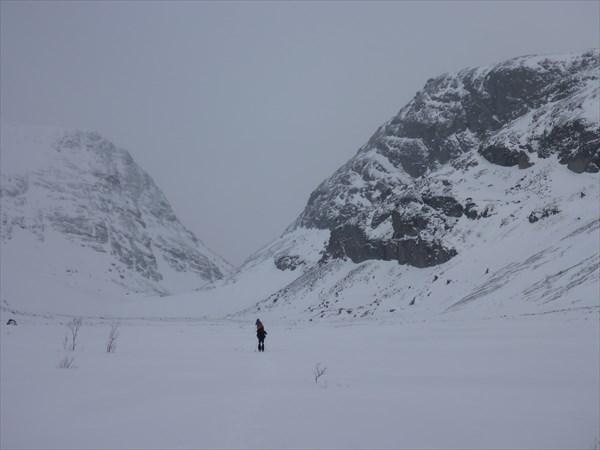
(483,190)
(78,212)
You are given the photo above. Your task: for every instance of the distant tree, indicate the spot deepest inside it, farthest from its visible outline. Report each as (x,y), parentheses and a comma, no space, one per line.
(70,342)
(66,363)
(111,343)
(319,371)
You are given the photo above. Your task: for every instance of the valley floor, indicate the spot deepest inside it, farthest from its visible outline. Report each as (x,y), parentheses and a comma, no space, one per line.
(519,383)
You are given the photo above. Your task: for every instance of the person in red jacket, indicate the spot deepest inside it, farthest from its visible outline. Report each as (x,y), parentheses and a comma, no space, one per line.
(260,334)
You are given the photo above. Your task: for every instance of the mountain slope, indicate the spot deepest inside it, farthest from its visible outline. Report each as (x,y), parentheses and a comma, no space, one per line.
(479,162)
(78,211)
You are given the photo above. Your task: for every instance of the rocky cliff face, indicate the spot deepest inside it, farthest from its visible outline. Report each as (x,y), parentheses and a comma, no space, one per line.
(93,194)
(385,204)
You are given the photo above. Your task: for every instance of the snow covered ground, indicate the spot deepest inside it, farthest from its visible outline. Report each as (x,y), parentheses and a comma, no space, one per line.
(520,383)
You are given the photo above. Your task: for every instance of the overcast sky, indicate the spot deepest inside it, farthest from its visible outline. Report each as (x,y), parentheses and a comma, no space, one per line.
(238,110)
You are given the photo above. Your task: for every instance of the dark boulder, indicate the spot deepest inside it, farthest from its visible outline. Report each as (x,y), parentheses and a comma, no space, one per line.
(471,210)
(448,205)
(542,213)
(503,156)
(288,262)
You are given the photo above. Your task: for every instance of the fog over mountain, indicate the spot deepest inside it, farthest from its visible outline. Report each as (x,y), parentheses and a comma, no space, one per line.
(237,110)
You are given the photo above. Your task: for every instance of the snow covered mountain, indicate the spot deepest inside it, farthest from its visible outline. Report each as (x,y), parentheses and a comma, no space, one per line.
(77,211)
(481,196)
(483,189)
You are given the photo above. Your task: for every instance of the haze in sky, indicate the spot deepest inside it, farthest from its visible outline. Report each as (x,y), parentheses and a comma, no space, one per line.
(238,110)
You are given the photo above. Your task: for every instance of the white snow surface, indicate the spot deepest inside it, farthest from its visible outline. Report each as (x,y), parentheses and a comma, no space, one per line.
(512,384)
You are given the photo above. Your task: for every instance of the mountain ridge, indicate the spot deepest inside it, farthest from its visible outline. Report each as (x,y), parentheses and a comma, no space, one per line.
(94,195)
(475,152)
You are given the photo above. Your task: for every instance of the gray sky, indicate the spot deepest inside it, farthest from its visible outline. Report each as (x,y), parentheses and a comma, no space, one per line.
(238,110)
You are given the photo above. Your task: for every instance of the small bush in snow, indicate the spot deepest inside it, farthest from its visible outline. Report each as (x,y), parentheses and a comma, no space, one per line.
(111,343)
(66,363)
(70,342)
(319,371)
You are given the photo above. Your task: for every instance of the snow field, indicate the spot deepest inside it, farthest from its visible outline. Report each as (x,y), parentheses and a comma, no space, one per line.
(527,383)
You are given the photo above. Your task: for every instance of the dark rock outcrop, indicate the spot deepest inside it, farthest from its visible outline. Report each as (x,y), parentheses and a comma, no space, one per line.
(450,206)
(288,262)
(576,144)
(350,241)
(542,214)
(503,156)
(405,225)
